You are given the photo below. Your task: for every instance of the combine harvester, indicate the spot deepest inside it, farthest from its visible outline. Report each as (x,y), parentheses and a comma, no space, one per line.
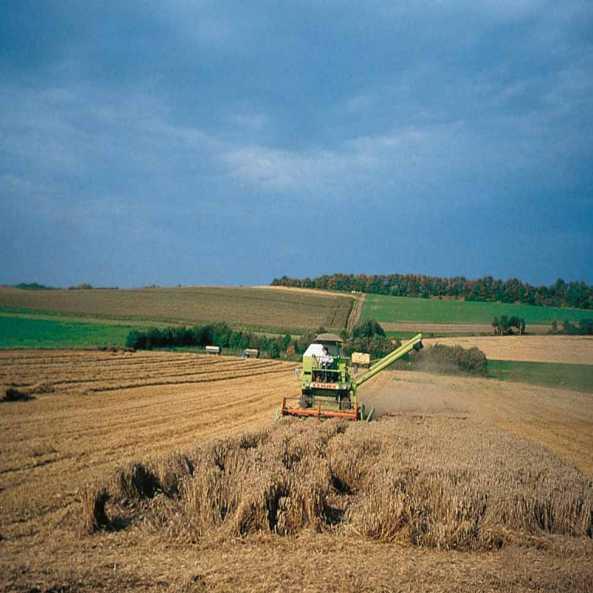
(328,382)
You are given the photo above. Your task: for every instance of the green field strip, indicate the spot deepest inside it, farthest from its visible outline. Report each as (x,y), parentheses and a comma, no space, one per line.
(135,322)
(22,313)
(20,332)
(392,309)
(578,377)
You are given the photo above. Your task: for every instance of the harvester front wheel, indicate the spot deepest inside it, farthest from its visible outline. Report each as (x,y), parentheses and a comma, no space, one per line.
(345,404)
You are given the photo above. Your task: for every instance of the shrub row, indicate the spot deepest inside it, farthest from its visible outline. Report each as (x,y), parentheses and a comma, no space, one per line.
(503,325)
(216,334)
(584,327)
(366,337)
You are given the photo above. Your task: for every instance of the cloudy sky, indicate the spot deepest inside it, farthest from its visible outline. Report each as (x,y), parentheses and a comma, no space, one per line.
(193,142)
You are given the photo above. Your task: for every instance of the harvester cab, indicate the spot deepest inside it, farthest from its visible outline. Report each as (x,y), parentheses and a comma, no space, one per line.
(325,376)
(328,386)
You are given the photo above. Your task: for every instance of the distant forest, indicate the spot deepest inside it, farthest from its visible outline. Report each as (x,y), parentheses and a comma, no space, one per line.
(559,294)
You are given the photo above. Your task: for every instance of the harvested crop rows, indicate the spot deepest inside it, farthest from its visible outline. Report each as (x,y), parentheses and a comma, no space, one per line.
(94,409)
(109,372)
(163,472)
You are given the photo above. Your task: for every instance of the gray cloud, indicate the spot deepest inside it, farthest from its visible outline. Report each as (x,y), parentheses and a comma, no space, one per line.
(167,127)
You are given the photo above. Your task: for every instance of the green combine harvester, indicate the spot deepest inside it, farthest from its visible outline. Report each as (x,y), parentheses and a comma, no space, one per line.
(328,382)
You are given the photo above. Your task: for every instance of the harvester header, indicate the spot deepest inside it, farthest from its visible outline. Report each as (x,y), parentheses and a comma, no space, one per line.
(328,383)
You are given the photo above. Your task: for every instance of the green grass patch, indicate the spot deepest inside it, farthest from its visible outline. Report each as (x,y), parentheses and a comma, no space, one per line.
(50,316)
(21,332)
(406,335)
(568,376)
(393,309)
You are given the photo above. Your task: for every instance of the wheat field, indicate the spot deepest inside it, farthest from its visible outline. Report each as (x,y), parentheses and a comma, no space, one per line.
(165,472)
(563,349)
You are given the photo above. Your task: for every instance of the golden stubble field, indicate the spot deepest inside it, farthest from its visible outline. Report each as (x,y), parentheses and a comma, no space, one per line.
(94,410)
(564,349)
(239,306)
(464,484)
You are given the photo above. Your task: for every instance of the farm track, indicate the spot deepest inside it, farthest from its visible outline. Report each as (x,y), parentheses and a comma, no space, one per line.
(356,311)
(453,328)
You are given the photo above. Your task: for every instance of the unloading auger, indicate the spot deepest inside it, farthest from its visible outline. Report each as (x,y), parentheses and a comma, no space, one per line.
(328,383)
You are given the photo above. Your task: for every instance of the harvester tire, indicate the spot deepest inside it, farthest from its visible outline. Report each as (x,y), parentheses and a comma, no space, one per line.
(345,404)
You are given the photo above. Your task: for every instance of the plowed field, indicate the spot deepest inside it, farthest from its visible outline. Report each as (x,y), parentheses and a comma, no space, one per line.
(254,308)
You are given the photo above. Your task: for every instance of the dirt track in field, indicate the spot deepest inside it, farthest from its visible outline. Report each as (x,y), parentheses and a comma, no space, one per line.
(105,408)
(453,328)
(356,312)
(566,349)
(561,420)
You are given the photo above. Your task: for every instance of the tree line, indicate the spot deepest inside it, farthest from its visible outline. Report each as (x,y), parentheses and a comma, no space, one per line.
(215,334)
(558,294)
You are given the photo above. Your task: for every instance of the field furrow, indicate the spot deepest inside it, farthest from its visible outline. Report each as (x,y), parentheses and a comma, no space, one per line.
(88,374)
(240,306)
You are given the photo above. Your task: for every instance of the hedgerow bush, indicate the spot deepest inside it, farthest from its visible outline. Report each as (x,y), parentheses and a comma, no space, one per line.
(451,359)
(366,337)
(217,334)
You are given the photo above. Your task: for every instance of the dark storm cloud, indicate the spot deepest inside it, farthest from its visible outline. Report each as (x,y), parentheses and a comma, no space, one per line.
(229,142)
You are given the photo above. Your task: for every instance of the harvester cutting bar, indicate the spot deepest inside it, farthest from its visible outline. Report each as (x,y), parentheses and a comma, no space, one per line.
(317,412)
(414,344)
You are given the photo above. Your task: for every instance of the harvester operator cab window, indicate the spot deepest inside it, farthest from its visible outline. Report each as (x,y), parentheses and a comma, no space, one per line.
(326,359)
(321,353)
(332,349)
